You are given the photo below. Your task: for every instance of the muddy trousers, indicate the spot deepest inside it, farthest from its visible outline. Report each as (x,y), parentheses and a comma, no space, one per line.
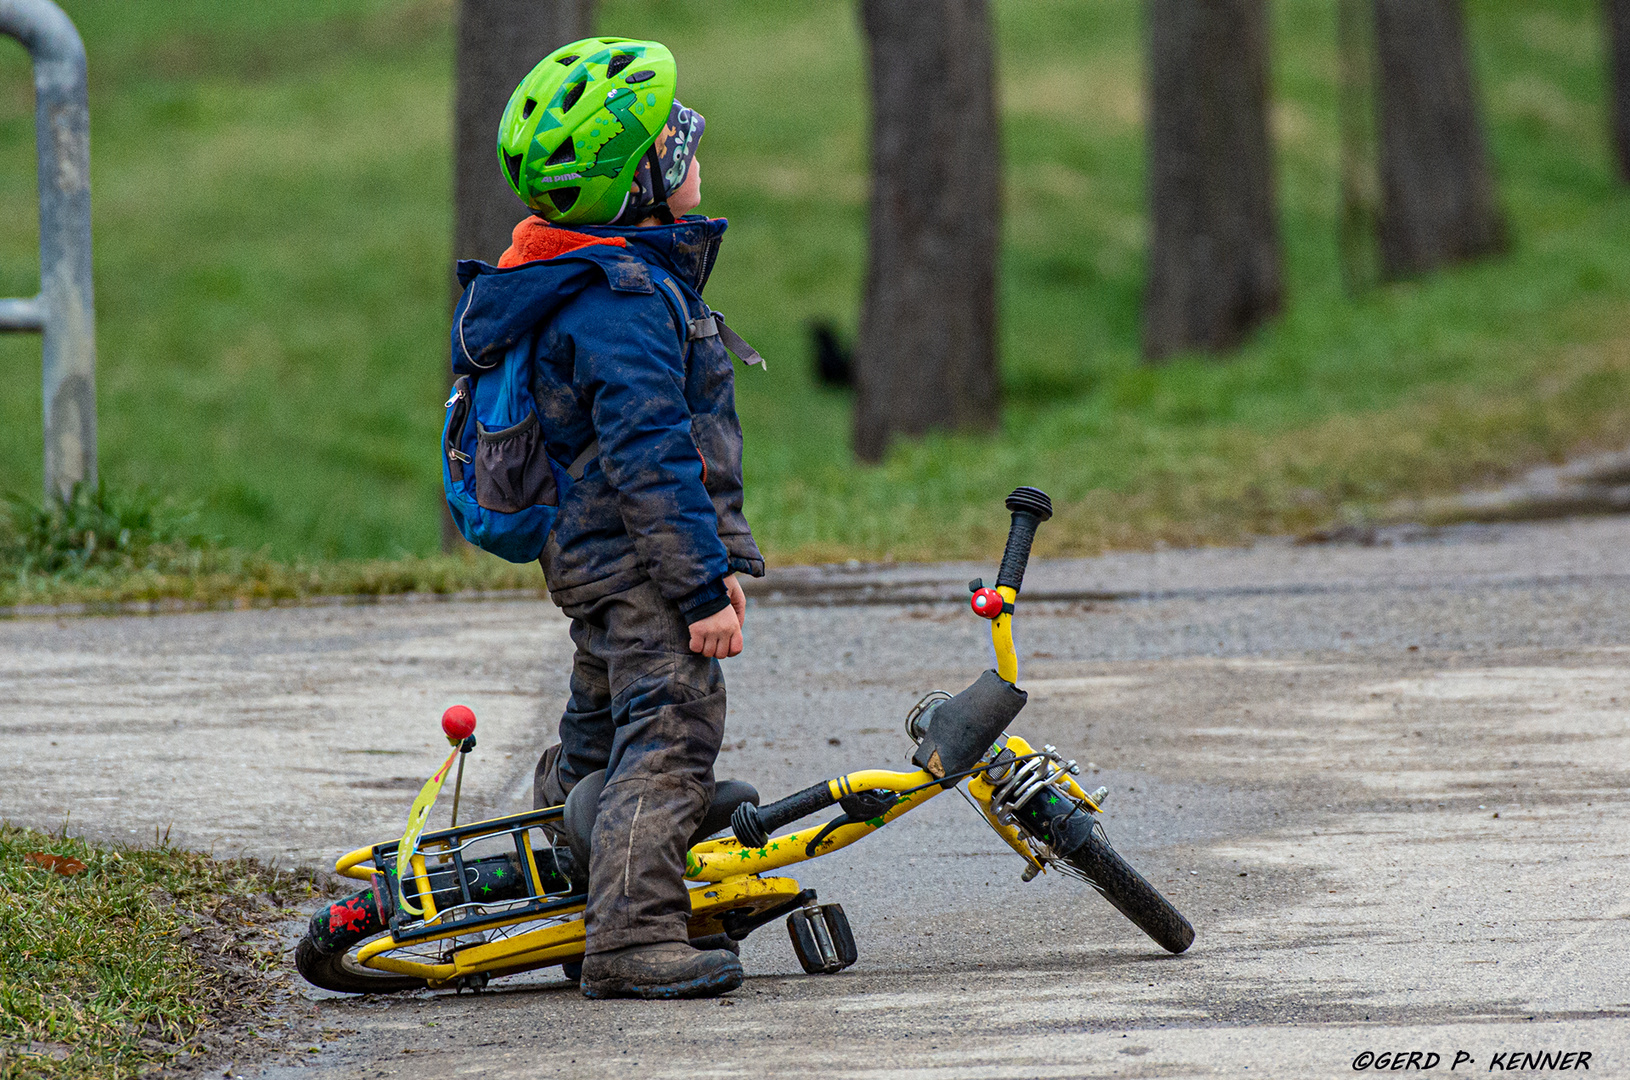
(651,713)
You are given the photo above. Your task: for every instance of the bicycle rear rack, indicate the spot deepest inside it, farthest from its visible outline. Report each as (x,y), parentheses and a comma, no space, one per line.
(441,871)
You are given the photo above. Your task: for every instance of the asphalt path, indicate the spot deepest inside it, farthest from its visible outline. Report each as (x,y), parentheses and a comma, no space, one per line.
(1386,783)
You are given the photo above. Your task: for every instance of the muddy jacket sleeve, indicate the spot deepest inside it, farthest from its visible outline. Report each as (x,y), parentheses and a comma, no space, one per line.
(628,366)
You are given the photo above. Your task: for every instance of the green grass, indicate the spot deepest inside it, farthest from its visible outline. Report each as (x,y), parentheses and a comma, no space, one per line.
(98,978)
(271,196)
(105,546)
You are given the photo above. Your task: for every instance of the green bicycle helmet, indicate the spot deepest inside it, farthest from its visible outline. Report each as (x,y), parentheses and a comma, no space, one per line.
(581,124)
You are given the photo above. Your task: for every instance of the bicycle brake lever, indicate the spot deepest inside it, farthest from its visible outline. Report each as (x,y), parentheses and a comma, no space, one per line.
(858,807)
(868,804)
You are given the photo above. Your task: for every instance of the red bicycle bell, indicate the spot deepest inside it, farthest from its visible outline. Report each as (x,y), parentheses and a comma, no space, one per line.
(987,603)
(458,724)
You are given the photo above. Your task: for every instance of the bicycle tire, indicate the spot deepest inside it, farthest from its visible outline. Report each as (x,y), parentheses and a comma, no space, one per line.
(324,956)
(342,974)
(1102,867)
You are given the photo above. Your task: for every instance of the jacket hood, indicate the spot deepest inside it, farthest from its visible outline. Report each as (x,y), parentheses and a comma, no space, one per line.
(501,305)
(535,239)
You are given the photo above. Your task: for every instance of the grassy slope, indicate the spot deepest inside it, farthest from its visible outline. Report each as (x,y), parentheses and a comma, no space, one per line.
(143,958)
(271,187)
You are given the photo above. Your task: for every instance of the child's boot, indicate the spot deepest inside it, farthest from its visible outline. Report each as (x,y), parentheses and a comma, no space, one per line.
(667,969)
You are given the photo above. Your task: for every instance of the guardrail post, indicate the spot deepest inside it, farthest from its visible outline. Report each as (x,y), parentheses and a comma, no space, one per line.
(64,311)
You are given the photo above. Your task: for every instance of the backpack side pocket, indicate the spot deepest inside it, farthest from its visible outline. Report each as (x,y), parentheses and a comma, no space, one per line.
(502,489)
(512,471)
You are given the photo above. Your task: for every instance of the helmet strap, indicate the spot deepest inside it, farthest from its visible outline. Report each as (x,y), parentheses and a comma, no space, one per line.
(659,188)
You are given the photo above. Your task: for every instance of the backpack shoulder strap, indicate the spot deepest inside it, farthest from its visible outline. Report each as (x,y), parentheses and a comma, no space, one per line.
(679,310)
(711,324)
(580,464)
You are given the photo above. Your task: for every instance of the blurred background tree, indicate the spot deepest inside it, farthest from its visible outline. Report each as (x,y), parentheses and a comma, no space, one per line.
(1618,70)
(498,42)
(1214,255)
(1438,198)
(1355,118)
(926,354)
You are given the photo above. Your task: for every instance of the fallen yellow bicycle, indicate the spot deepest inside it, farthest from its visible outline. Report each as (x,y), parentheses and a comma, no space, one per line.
(463,905)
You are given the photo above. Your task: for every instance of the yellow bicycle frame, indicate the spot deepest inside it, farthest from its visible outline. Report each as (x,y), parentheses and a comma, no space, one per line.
(732,876)
(1001,636)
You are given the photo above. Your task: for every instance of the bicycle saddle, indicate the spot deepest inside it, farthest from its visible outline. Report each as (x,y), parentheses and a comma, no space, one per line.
(584,803)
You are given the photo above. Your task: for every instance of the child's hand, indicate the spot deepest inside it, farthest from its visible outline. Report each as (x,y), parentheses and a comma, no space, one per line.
(719,635)
(738,599)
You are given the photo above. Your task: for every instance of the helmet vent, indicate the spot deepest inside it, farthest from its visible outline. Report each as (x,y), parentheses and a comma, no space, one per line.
(573,92)
(564,154)
(512,164)
(526,110)
(563,198)
(568,61)
(639,77)
(618,62)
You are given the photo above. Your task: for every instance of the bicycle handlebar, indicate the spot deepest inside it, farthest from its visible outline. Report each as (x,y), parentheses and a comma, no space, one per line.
(1030,507)
(754,825)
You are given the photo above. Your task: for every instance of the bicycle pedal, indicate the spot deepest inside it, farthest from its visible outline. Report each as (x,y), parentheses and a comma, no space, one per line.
(822,939)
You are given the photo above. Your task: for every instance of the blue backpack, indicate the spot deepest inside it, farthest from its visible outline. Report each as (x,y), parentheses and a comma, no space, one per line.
(502,488)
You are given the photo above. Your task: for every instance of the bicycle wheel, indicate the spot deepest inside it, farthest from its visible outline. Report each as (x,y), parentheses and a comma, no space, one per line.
(324,955)
(340,973)
(1101,866)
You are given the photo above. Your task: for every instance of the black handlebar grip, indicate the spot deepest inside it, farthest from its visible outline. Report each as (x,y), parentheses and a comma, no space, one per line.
(753,825)
(1030,508)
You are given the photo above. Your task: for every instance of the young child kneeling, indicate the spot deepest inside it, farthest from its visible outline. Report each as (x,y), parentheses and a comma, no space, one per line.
(635,388)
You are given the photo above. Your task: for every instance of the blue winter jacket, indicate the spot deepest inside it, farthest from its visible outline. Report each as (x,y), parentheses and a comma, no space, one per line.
(663,498)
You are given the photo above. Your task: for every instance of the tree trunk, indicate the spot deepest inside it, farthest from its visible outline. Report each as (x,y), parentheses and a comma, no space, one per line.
(1214,252)
(926,353)
(1438,201)
(499,41)
(1618,38)
(1355,50)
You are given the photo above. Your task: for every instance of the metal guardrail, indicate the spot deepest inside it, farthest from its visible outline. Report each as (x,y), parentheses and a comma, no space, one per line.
(64,311)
